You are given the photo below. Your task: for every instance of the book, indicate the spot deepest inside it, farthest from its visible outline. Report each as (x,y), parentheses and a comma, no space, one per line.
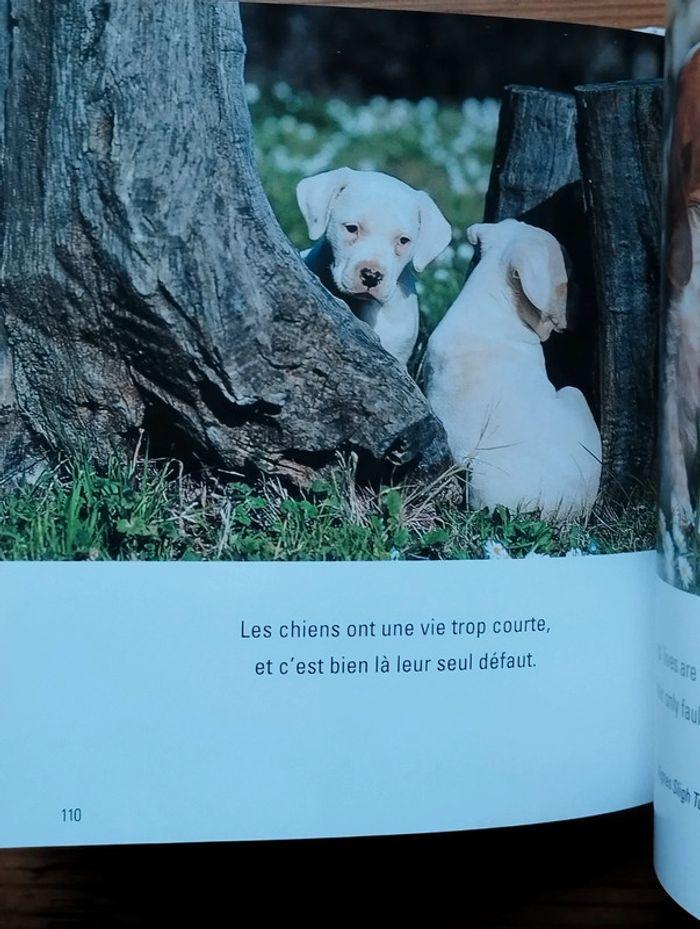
(328,426)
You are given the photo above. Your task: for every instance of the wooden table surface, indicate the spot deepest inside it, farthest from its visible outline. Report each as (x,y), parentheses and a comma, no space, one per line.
(591,874)
(594,874)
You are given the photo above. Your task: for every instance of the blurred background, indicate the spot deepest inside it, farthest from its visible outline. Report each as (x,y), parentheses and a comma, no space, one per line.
(413,94)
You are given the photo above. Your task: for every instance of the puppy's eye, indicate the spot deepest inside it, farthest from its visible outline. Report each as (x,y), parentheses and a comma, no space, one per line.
(351,228)
(404,240)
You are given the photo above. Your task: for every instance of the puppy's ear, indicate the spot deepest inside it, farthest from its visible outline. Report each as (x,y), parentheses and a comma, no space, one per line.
(434,235)
(483,236)
(315,196)
(538,274)
(475,233)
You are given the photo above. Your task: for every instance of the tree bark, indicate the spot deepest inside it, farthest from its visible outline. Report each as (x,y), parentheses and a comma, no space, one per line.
(145,283)
(620,145)
(536,177)
(535,155)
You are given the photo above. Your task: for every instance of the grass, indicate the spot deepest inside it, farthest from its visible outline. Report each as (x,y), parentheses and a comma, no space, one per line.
(150,510)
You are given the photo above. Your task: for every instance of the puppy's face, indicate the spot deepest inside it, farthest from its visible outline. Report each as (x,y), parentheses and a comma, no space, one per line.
(375,225)
(372,234)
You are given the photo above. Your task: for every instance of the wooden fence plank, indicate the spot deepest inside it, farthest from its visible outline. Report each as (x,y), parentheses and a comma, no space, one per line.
(620,152)
(627,13)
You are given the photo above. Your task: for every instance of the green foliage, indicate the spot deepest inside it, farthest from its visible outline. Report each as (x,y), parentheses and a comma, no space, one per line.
(446,150)
(149,511)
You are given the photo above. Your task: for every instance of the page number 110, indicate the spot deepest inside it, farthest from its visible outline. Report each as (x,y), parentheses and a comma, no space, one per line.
(72,815)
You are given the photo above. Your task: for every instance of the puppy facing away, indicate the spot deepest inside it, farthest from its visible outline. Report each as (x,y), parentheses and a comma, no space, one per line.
(368,227)
(527,446)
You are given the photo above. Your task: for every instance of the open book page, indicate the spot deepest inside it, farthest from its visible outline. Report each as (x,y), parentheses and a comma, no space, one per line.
(677,770)
(327,406)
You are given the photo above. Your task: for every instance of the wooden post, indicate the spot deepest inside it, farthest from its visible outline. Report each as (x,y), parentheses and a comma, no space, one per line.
(535,155)
(620,145)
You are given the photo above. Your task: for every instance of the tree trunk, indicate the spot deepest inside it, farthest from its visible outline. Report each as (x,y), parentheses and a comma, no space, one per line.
(536,178)
(535,156)
(145,282)
(620,145)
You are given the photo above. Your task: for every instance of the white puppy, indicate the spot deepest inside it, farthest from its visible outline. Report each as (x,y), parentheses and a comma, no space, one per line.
(370,227)
(527,445)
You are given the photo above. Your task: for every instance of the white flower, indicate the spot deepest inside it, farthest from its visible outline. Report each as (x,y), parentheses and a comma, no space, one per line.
(306,132)
(426,108)
(399,114)
(366,122)
(495,549)
(446,257)
(456,178)
(252,93)
(282,91)
(378,103)
(288,123)
(685,572)
(574,553)
(531,555)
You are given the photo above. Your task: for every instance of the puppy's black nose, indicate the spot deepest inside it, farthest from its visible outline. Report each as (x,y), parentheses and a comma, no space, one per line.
(371,277)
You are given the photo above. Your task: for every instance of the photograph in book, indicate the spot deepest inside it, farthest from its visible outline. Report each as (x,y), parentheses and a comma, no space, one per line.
(328,394)
(379,293)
